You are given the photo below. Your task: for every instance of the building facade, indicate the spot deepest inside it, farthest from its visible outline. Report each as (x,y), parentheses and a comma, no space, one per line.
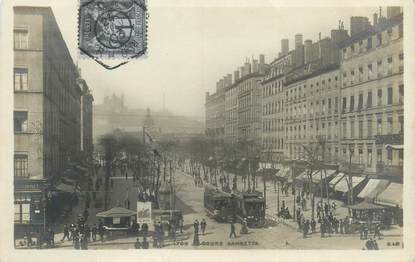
(47,111)
(273,110)
(372,96)
(215,113)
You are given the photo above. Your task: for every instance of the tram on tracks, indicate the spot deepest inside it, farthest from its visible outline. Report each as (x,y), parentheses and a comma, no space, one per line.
(235,206)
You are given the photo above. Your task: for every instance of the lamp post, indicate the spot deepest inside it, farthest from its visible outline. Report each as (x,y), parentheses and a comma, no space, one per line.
(351,152)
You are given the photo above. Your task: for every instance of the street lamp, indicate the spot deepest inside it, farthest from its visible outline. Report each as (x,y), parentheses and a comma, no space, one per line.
(351,152)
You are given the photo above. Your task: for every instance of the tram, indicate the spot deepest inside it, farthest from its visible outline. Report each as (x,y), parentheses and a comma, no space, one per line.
(236,206)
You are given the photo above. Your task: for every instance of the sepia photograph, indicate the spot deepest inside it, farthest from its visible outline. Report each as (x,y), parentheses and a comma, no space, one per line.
(206,127)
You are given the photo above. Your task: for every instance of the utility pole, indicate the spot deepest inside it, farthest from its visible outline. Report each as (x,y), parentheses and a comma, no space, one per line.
(351,151)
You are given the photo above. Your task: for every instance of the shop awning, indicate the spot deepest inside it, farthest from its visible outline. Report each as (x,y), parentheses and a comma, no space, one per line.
(336,179)
(327,175)
(116,212)
(392,196)
(342,185)
(365,206)
(373,188)
(284,174)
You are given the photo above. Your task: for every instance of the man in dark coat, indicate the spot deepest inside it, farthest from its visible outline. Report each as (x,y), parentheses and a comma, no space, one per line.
(65,232)
(233,231)
(203,225)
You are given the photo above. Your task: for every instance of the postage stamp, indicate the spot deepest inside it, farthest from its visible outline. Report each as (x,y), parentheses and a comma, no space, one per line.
(112,29)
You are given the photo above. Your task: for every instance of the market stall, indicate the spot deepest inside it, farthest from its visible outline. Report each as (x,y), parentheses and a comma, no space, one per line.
(117,220)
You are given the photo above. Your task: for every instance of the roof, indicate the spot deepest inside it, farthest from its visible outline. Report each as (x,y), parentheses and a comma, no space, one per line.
(116,212)
(392,196)
(373,188)
(342,185)
(372,30)
(365,206)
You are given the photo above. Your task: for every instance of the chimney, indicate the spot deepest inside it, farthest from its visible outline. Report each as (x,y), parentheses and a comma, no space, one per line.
(307,50)
(236,75)
(247,67)
(298,40)
(375,18)
(262,59)
(229,79)
(358,24)
(284,47)
(242,70)
(392,11)
(255,66)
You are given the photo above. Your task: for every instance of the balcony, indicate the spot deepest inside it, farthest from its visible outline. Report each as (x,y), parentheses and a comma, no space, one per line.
(393,139)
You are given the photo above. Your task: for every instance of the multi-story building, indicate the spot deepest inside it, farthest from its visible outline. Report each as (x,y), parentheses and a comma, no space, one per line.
(273,101)
(231,111)
(215,113)
(47,111)
(248,93)
(372,94)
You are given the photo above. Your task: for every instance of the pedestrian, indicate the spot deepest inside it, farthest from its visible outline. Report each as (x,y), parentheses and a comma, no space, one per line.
(203,225)
(305,228)
(196,226)
(313,225)
(233,230)
(144,229)
(322,229)
(341,223)
(85,214)
(375,245)
(366,231)
(377,232)
(76,243)
(88,232)
(94,232)
(137,244)
(101,231)
(361,230)
(65,232)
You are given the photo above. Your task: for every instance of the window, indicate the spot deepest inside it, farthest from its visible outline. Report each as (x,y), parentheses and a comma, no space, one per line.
(379,97)
(22,213)
(369,43)
(20,121)
(401,122)
(344,104)
(369,71)
(379,156)
(329,105)
(401,90)
(401,62)
(351,128)
(369,157)
(20,165)
(390,65)
(344,129)
(351,103)
(360,102)
(379,68)
(369,128)
(336,104)
(20,79)
(390,125)
(369,99)
(379,126)
(360,151)
(360,129)
(389,152)
(379,38)
(390,96)
(21,39)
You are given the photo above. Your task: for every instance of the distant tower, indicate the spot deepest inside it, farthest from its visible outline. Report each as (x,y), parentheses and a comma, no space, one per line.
(148,122)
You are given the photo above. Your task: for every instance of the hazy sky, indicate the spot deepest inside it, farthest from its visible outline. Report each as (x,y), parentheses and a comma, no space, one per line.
(191,48)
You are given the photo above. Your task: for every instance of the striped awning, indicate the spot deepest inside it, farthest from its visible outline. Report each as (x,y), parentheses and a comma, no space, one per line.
(392,196)
(373,188)
(342,185)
